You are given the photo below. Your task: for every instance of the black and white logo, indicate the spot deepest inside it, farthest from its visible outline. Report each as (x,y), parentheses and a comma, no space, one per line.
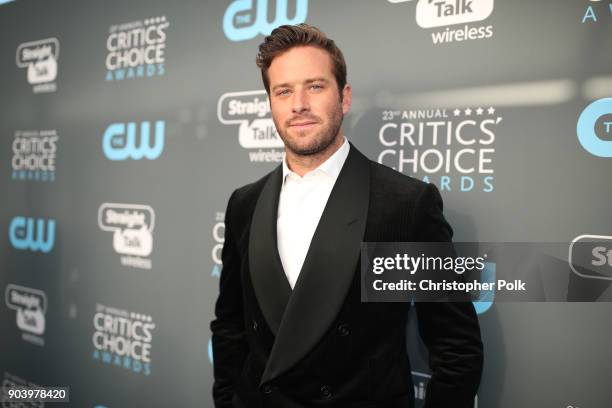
(31,307)
(40,60)
(250,110)
(132,227)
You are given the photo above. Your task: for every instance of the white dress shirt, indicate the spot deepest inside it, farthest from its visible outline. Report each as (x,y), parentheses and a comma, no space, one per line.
(301,203)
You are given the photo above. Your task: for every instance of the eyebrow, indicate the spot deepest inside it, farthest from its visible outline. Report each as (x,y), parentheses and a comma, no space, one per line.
(308,81)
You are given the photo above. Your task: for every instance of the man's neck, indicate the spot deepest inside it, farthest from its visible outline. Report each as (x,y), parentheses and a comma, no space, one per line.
(302,164)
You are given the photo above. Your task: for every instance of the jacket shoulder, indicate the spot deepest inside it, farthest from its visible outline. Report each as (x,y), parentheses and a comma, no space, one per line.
(242,202)
(249,192)
(385,180)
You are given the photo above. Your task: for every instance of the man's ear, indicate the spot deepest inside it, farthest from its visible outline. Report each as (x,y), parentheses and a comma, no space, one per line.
(347,95)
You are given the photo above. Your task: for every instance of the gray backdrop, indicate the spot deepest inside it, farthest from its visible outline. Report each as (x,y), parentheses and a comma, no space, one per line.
(112,231)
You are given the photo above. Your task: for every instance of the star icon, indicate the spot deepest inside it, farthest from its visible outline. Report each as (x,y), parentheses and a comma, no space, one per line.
(479,111)
(468,112)
(491,110)
(457,112)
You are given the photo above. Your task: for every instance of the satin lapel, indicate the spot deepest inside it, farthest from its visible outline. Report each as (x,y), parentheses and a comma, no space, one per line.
(267,275)
(328,269)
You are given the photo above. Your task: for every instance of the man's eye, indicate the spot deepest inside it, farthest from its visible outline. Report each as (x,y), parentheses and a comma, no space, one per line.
(316,86)
(283,92)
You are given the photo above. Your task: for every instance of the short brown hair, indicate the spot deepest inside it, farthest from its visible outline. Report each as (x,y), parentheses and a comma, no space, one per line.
(285,37)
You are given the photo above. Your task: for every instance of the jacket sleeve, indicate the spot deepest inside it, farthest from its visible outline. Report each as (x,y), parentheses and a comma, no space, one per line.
(228,332)
(450,330)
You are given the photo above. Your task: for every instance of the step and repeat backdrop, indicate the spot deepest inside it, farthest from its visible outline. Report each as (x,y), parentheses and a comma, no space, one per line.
(125,126)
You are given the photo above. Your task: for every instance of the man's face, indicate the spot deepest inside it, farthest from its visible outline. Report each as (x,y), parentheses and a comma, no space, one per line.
(304,99)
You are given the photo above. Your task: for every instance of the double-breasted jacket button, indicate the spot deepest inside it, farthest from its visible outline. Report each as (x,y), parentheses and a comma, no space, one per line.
(344,329)
(254,325)
(326,391)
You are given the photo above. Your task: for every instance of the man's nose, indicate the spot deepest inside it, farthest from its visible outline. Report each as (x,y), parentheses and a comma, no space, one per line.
(300,101)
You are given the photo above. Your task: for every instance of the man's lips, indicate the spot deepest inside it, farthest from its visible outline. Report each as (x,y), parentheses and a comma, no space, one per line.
(300,125)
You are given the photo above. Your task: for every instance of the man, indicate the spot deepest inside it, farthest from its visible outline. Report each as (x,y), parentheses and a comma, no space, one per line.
(290,330)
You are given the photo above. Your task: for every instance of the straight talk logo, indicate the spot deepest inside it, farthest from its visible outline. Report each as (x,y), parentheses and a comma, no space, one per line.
(431,14)
(250,110)
(31,307)
(132,227)
(40,58)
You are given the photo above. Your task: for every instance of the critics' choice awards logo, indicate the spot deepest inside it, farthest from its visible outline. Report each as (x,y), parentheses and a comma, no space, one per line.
(122,141)
(136,49)
(246,19)
(32,234)
(596,11)
(435,14)
(256,131)
(453,148)
(34,155)
(31,307)
(40,60)
(218,234)
(132,226)
(594,128)
(123,339)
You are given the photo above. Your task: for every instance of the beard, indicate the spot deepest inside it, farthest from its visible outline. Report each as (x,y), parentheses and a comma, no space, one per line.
(318,141)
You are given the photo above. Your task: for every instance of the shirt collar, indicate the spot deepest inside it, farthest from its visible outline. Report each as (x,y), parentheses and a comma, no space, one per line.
(330,167)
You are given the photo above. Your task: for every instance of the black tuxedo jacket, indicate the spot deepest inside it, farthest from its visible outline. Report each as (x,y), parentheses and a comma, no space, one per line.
(318,345)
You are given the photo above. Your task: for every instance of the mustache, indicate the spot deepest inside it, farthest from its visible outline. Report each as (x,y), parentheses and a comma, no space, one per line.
(301,119)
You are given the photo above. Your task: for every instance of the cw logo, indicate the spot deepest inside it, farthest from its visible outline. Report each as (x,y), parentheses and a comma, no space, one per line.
(587,125)
(239,24)
(119,143)
(24,233)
